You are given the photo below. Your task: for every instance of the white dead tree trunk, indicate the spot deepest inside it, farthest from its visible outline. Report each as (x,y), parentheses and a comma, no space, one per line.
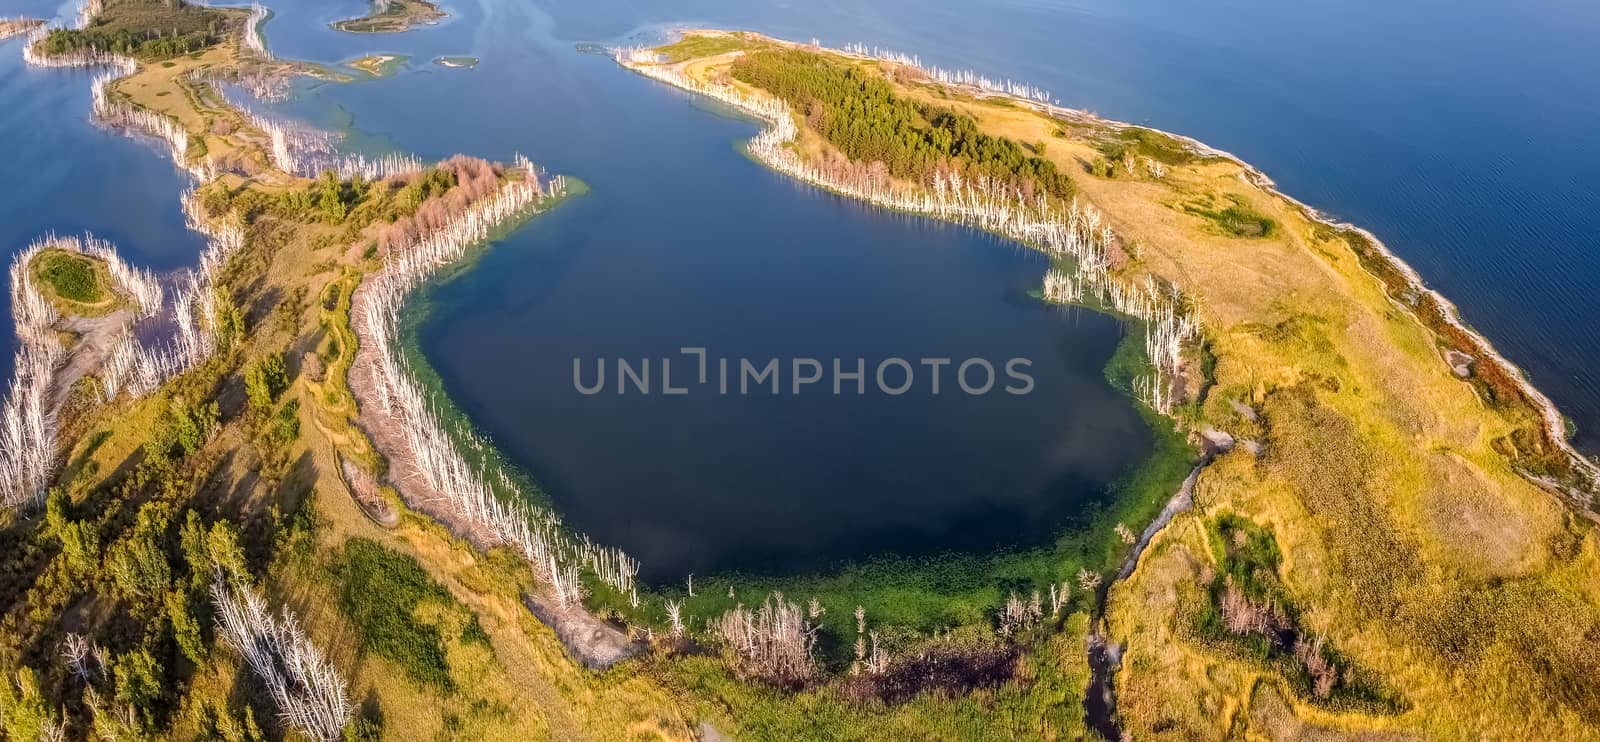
(966,78)
(305,686)
(1074,231)
(252,31)
(27,416)
(675,617)
(535,533)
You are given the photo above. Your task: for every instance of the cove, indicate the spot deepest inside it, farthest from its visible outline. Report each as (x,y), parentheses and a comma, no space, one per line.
(684,241)
(785,483)
(1265,96)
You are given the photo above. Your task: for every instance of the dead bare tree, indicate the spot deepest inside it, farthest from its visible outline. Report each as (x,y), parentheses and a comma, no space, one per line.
(306,687)
(773,642)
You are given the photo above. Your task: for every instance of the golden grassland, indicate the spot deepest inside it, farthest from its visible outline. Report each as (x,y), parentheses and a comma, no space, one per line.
(1411,543)
(378,65)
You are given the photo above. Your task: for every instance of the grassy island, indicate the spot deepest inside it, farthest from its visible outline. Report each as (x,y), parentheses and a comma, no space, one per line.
(393,16)
(379,65)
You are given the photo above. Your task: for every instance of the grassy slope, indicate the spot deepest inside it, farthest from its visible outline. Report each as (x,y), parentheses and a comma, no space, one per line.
(283,262)
(1413,544)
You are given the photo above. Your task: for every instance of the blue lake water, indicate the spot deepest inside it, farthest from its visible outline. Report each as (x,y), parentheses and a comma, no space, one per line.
(64,174)
(1458,132)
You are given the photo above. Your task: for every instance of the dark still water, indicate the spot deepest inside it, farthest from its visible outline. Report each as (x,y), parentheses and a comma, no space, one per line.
(704,479)
(1458,132)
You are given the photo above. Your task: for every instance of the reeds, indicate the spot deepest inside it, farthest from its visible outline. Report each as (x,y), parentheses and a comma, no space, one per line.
(775,641)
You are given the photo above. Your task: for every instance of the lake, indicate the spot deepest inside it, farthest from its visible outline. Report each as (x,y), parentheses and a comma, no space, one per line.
(1456,132)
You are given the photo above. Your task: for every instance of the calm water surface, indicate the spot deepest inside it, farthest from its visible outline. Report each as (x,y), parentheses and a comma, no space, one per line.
(1456,131)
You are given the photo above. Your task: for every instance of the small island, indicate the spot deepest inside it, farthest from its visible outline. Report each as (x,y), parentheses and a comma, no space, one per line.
(458,63)
(393,16)
(75,283)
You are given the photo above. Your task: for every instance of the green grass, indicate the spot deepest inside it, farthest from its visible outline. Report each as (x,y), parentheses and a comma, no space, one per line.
(1043,699)
(381,591)
(1146,143)
(70,276)
(401,15)
(1248,558)
(691,47)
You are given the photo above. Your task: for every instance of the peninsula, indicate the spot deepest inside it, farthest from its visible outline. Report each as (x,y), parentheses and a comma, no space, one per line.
(17,26)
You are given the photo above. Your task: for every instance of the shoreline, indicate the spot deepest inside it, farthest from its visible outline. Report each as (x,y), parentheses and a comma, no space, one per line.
(10,27)
(492,523)
(1553,423)
(1431,312)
